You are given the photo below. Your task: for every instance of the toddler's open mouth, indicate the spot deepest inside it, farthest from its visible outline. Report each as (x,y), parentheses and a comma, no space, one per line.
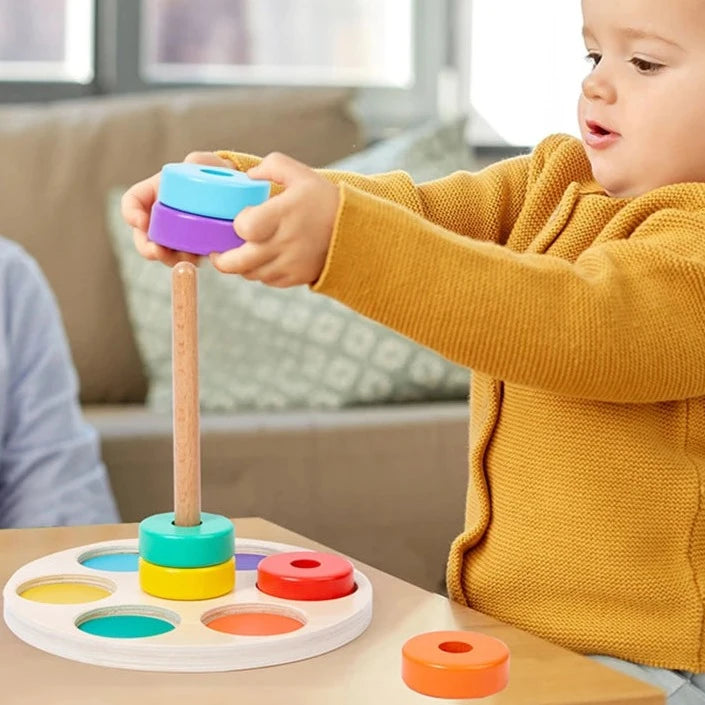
(597,128)
(598,136)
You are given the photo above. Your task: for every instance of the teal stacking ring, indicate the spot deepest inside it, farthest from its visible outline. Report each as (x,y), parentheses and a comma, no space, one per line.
(213,192)
(163,543)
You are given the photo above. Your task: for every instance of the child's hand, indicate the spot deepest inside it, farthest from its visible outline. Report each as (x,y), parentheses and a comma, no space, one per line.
(136,206)
(287,237)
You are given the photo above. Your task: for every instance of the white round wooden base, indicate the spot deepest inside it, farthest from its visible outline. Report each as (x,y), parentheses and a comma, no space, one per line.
(191,645)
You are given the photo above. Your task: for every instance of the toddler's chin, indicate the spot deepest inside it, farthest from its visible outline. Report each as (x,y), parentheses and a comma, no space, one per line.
(613,184)
(622,189)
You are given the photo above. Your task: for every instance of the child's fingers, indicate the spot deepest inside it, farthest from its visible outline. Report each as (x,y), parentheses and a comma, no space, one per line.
(267,273)
(136,207)
(178,256)
(273,273)
(279,168)
(152,251)
(259,223)
(208,159)
(143,245)
(242,260)
(136,203)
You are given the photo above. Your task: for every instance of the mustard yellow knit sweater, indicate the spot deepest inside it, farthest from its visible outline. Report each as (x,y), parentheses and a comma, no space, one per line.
(583,319)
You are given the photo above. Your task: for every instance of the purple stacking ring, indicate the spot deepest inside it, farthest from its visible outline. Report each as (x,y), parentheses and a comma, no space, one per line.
(187,232)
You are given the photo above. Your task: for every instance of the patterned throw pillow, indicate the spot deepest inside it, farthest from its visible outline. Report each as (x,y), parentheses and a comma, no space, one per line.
(263,348)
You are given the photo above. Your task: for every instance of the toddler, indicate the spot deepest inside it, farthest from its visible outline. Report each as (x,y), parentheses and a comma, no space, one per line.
(572,282)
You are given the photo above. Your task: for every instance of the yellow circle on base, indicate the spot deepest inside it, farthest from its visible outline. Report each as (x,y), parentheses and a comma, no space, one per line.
(65,593)
(187,583)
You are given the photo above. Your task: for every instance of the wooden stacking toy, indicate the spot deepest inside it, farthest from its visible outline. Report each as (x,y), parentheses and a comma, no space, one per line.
(196,205)
(189,611)
(167,601)
(85,604)
(455,664)
(185,555)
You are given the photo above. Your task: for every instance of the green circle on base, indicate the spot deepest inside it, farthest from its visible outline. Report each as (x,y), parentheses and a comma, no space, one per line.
(163,543)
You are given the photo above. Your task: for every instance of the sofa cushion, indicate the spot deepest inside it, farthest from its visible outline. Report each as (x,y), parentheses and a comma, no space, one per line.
(264,348)
(60,160)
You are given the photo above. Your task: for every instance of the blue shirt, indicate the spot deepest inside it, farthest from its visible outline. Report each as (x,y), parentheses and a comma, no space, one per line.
(50,468)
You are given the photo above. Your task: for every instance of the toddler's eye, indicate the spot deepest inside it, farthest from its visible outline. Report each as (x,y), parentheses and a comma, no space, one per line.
(593,58)
(644,66)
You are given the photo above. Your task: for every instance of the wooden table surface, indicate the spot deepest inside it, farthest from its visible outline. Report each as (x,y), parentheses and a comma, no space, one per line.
(365,671)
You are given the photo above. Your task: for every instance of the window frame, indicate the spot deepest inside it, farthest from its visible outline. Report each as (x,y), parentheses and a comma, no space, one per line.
(21,91)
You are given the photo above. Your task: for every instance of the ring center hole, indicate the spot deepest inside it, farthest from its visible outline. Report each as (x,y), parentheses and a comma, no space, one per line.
(216,172)
(305,563)
(173,523)
(455,647)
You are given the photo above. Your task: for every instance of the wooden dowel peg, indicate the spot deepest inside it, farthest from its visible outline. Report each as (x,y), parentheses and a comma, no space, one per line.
(187,442)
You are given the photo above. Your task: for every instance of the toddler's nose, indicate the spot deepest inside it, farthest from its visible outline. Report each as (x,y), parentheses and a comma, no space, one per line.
(596,86)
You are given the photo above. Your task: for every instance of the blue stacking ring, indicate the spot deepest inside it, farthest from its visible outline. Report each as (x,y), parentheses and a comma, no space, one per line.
(211,191)
(210,543)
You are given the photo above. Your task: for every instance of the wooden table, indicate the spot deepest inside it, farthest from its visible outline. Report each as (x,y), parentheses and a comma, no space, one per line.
(366,671)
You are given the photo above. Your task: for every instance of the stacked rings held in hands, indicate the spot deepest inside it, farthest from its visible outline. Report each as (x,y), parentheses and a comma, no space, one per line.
(196,205)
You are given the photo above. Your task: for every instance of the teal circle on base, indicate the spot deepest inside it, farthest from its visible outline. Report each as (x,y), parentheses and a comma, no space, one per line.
(126,626)
(163,543)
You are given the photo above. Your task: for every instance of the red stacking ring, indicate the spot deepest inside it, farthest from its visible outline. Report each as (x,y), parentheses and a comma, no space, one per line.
(305,575)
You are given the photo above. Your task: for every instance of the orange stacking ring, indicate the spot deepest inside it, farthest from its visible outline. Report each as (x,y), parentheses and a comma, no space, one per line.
(305,575)
(455,664)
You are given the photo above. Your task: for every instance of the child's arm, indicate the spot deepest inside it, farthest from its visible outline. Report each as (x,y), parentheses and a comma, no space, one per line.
(623,322)
(288,236)
(483,205)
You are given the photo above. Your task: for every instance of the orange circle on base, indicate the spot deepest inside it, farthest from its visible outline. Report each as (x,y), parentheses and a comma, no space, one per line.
(254,624)
(455,664)
(306,575)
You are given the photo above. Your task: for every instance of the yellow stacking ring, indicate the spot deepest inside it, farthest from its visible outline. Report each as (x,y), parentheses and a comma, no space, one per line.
(187,583)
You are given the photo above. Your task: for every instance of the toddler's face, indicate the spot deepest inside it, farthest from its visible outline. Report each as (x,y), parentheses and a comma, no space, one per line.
(642,108)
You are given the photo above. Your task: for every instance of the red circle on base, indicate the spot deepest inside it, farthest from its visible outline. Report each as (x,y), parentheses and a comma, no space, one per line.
(305,575)
(455,664)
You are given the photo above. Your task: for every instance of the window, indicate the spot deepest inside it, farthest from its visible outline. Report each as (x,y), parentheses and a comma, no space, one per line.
(46,40)
(390,51)
(312,42)
(526,66)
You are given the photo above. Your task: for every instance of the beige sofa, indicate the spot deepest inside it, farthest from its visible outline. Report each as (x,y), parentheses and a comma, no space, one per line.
(385,484)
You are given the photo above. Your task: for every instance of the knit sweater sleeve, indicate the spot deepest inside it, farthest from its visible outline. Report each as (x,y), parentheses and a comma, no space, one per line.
(485,204)
(623,323)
